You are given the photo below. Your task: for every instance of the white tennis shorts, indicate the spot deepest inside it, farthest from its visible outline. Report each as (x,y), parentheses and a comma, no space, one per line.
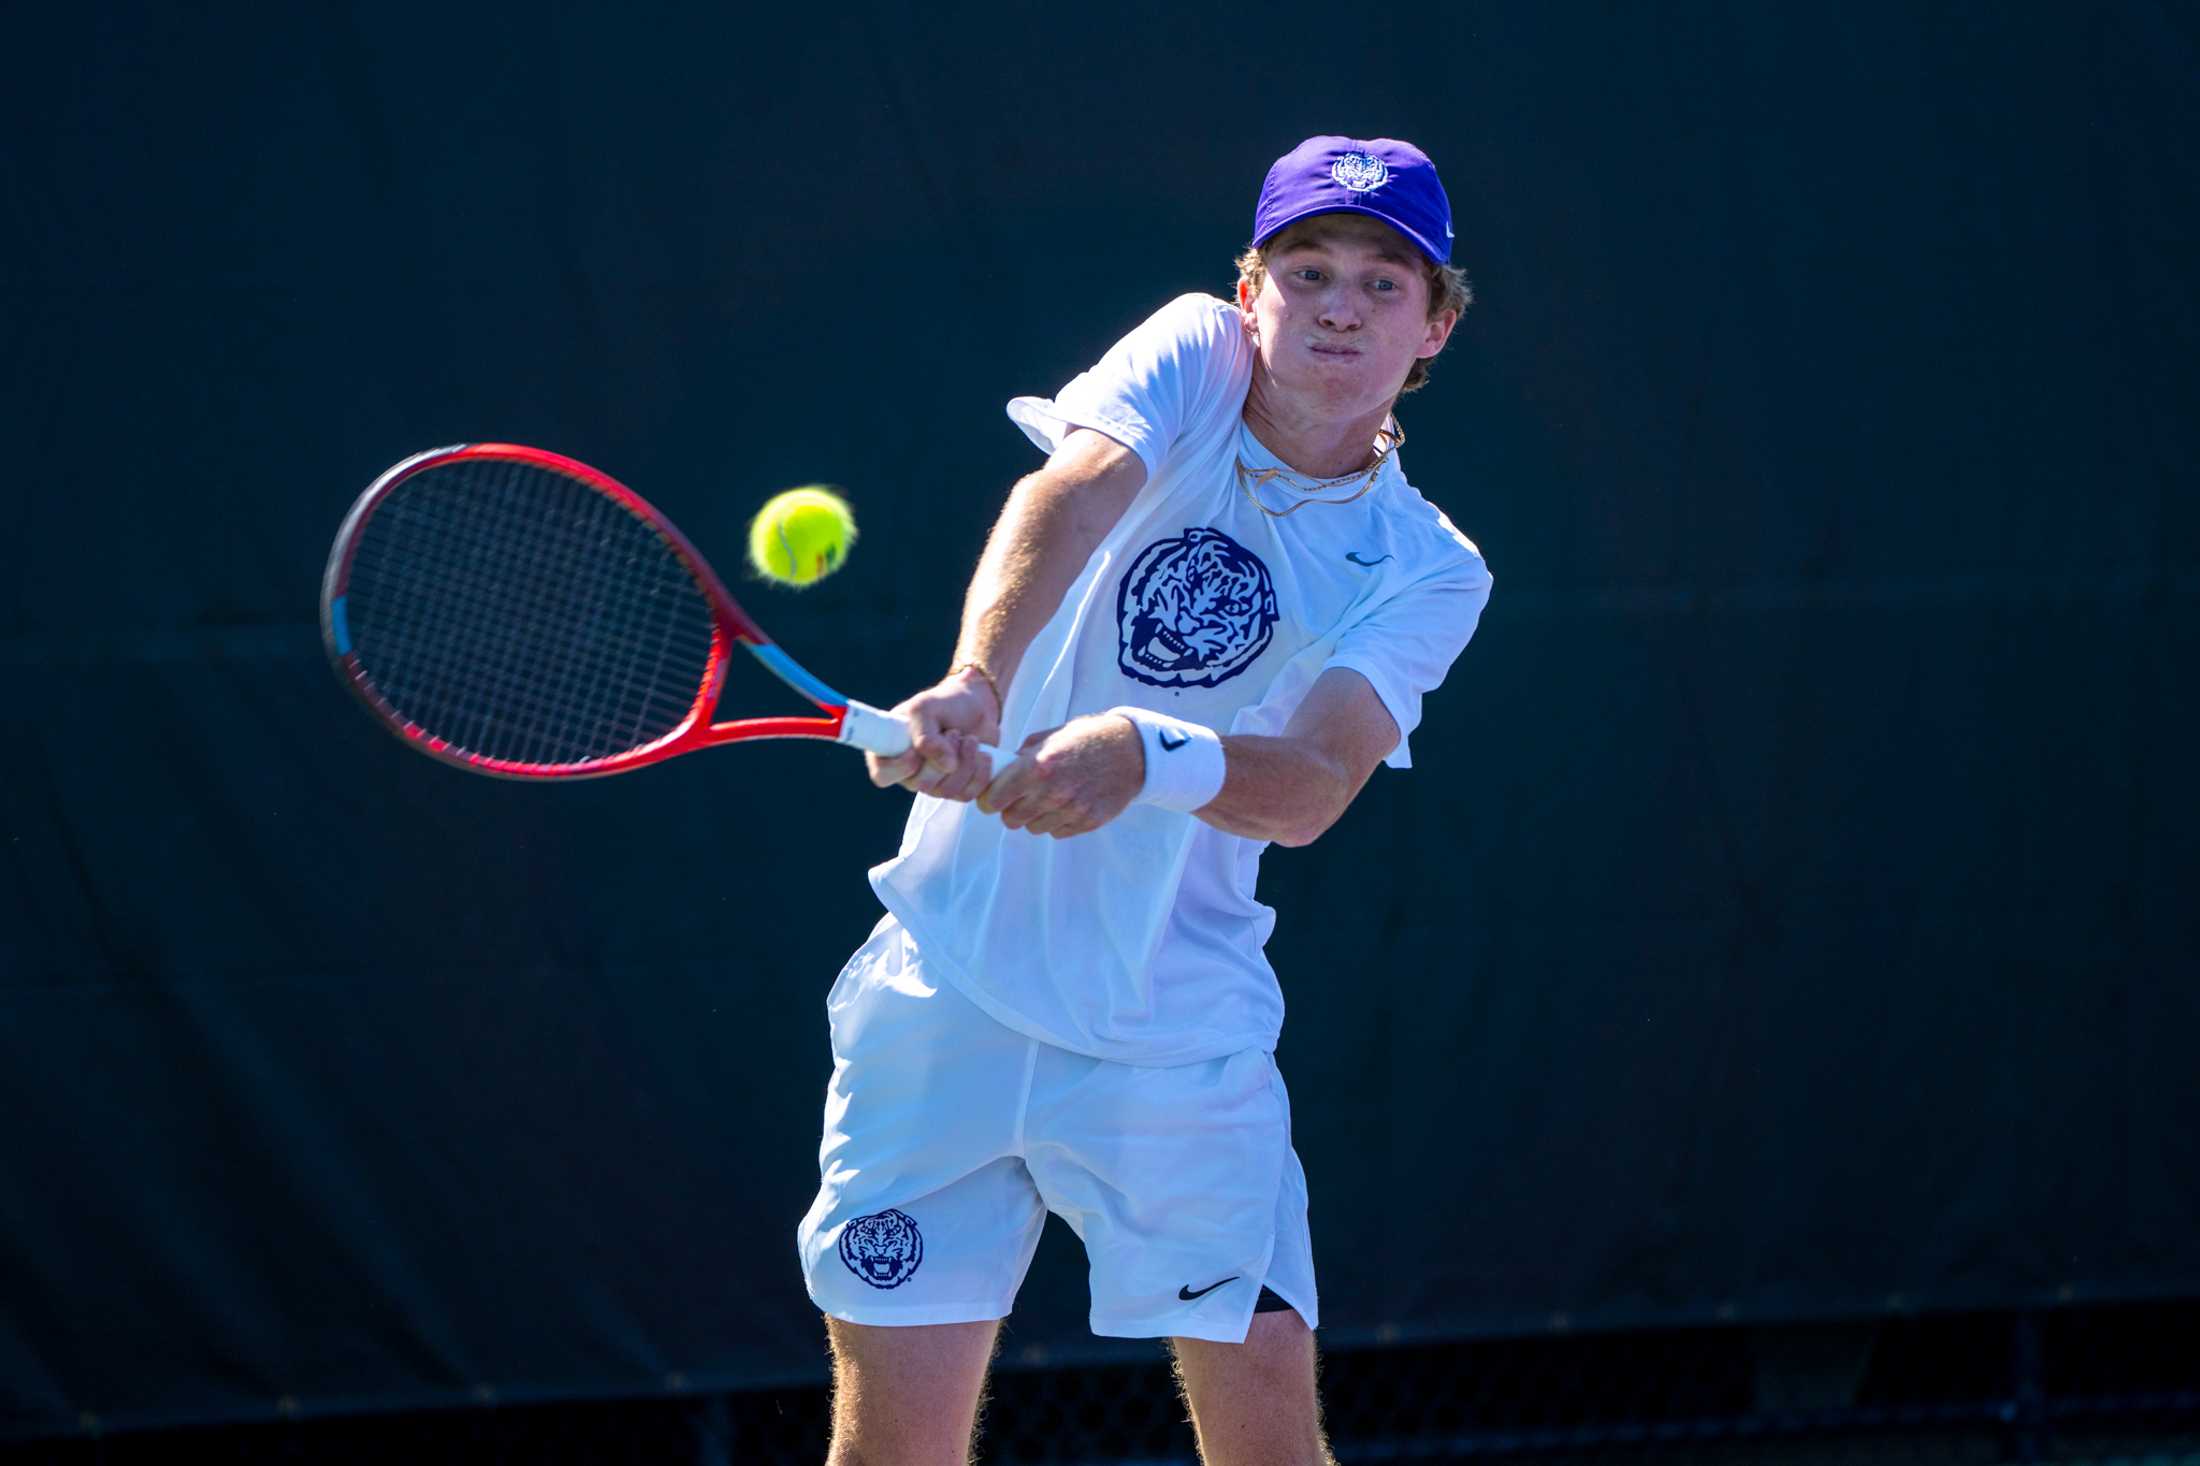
(949,1137)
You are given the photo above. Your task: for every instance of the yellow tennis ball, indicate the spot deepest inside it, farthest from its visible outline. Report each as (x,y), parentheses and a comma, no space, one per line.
(801,536)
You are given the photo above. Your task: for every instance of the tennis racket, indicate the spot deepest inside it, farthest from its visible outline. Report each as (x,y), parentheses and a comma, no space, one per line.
(514,612)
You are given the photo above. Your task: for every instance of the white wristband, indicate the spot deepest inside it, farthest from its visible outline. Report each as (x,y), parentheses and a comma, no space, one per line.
(1184,761)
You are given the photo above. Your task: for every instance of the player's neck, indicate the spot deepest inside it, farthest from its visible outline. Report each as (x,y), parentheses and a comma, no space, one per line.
(1307,440)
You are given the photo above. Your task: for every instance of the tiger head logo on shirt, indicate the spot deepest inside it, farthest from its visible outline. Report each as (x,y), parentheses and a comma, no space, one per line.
(1193,611)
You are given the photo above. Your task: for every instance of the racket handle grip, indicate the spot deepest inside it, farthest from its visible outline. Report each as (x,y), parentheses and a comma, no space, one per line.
(876,731)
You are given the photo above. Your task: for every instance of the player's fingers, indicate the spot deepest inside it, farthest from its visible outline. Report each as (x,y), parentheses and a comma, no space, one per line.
(1019,815)
(1019,784)
(1005,786)
(984,767)
(1067,815)
(1036,804)
(1014,805)
(934,748)
(886,772)
(971,771)
(1047,822)
(1016,776)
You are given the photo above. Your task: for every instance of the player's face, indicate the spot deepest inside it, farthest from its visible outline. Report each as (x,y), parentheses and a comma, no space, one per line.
(1343,314)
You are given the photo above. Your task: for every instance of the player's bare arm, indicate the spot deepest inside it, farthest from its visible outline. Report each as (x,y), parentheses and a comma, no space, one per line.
(1048,529)
(1292,787)
(1287,788)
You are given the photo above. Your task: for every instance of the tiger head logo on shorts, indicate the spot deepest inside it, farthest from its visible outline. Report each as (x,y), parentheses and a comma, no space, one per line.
(1193,611)
(882,1249)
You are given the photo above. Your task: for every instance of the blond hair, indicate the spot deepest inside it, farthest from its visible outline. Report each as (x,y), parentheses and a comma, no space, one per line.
(1448,290)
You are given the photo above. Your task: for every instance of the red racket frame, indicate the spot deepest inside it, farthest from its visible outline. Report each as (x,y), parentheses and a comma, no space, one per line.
(733,626)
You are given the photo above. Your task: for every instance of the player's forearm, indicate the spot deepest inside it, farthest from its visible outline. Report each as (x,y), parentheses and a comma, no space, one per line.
(1053,521)
(1282,789)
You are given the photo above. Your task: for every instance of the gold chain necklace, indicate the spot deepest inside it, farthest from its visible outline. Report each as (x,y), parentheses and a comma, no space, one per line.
(1388,438)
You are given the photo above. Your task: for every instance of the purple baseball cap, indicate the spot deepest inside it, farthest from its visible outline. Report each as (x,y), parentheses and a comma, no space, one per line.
(1381,177)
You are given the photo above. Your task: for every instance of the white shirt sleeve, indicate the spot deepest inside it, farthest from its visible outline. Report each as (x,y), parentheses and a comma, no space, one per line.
(1405,644)
(1156,386)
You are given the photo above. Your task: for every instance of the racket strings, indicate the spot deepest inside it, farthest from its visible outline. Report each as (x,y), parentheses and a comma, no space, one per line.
(523,616)
(445,603)
(432,611)
(525,686)
(444,606)
(616,682)
(579,600)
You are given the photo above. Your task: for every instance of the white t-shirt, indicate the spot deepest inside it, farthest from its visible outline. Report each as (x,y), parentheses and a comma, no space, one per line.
(1141,941)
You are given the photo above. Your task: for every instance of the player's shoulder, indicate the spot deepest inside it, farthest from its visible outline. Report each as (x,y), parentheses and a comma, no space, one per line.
(1197,320)
(1432,547)
(1197,308)
(1198,341)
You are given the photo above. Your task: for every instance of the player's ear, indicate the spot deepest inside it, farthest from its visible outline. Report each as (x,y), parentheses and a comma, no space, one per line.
(1439,332)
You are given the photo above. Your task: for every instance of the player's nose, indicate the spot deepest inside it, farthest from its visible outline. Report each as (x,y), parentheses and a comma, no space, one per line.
(1340,312)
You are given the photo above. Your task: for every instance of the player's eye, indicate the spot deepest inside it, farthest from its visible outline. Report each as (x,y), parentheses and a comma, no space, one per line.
(1386,286)
(1308,273)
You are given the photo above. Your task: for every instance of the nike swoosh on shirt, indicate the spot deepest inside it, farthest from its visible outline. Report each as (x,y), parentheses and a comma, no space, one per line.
(1354,557)
(1184,1290)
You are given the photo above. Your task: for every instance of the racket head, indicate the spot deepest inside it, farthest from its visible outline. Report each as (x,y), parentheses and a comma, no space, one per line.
(514,612)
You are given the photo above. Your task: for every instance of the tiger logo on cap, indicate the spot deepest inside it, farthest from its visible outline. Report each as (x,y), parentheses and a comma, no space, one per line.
(1360,172)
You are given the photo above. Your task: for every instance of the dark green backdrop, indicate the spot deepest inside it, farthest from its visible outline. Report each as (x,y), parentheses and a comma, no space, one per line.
(1792,914)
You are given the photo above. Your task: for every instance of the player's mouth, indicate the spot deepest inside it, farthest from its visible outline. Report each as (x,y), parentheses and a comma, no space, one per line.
(1340,352)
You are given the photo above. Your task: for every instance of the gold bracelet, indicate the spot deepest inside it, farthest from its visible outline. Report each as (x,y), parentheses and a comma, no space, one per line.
(999,706)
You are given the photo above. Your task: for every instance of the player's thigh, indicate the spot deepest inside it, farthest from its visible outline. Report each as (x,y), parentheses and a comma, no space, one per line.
(1178,1181)
(924,1214)
(907,1396)
(1255,1402)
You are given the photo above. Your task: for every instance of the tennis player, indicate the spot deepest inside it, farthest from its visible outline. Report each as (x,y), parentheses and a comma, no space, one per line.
(1203,622)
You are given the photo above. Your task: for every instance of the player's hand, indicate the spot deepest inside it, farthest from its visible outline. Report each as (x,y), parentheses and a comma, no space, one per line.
(1072,779)
(947,721)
